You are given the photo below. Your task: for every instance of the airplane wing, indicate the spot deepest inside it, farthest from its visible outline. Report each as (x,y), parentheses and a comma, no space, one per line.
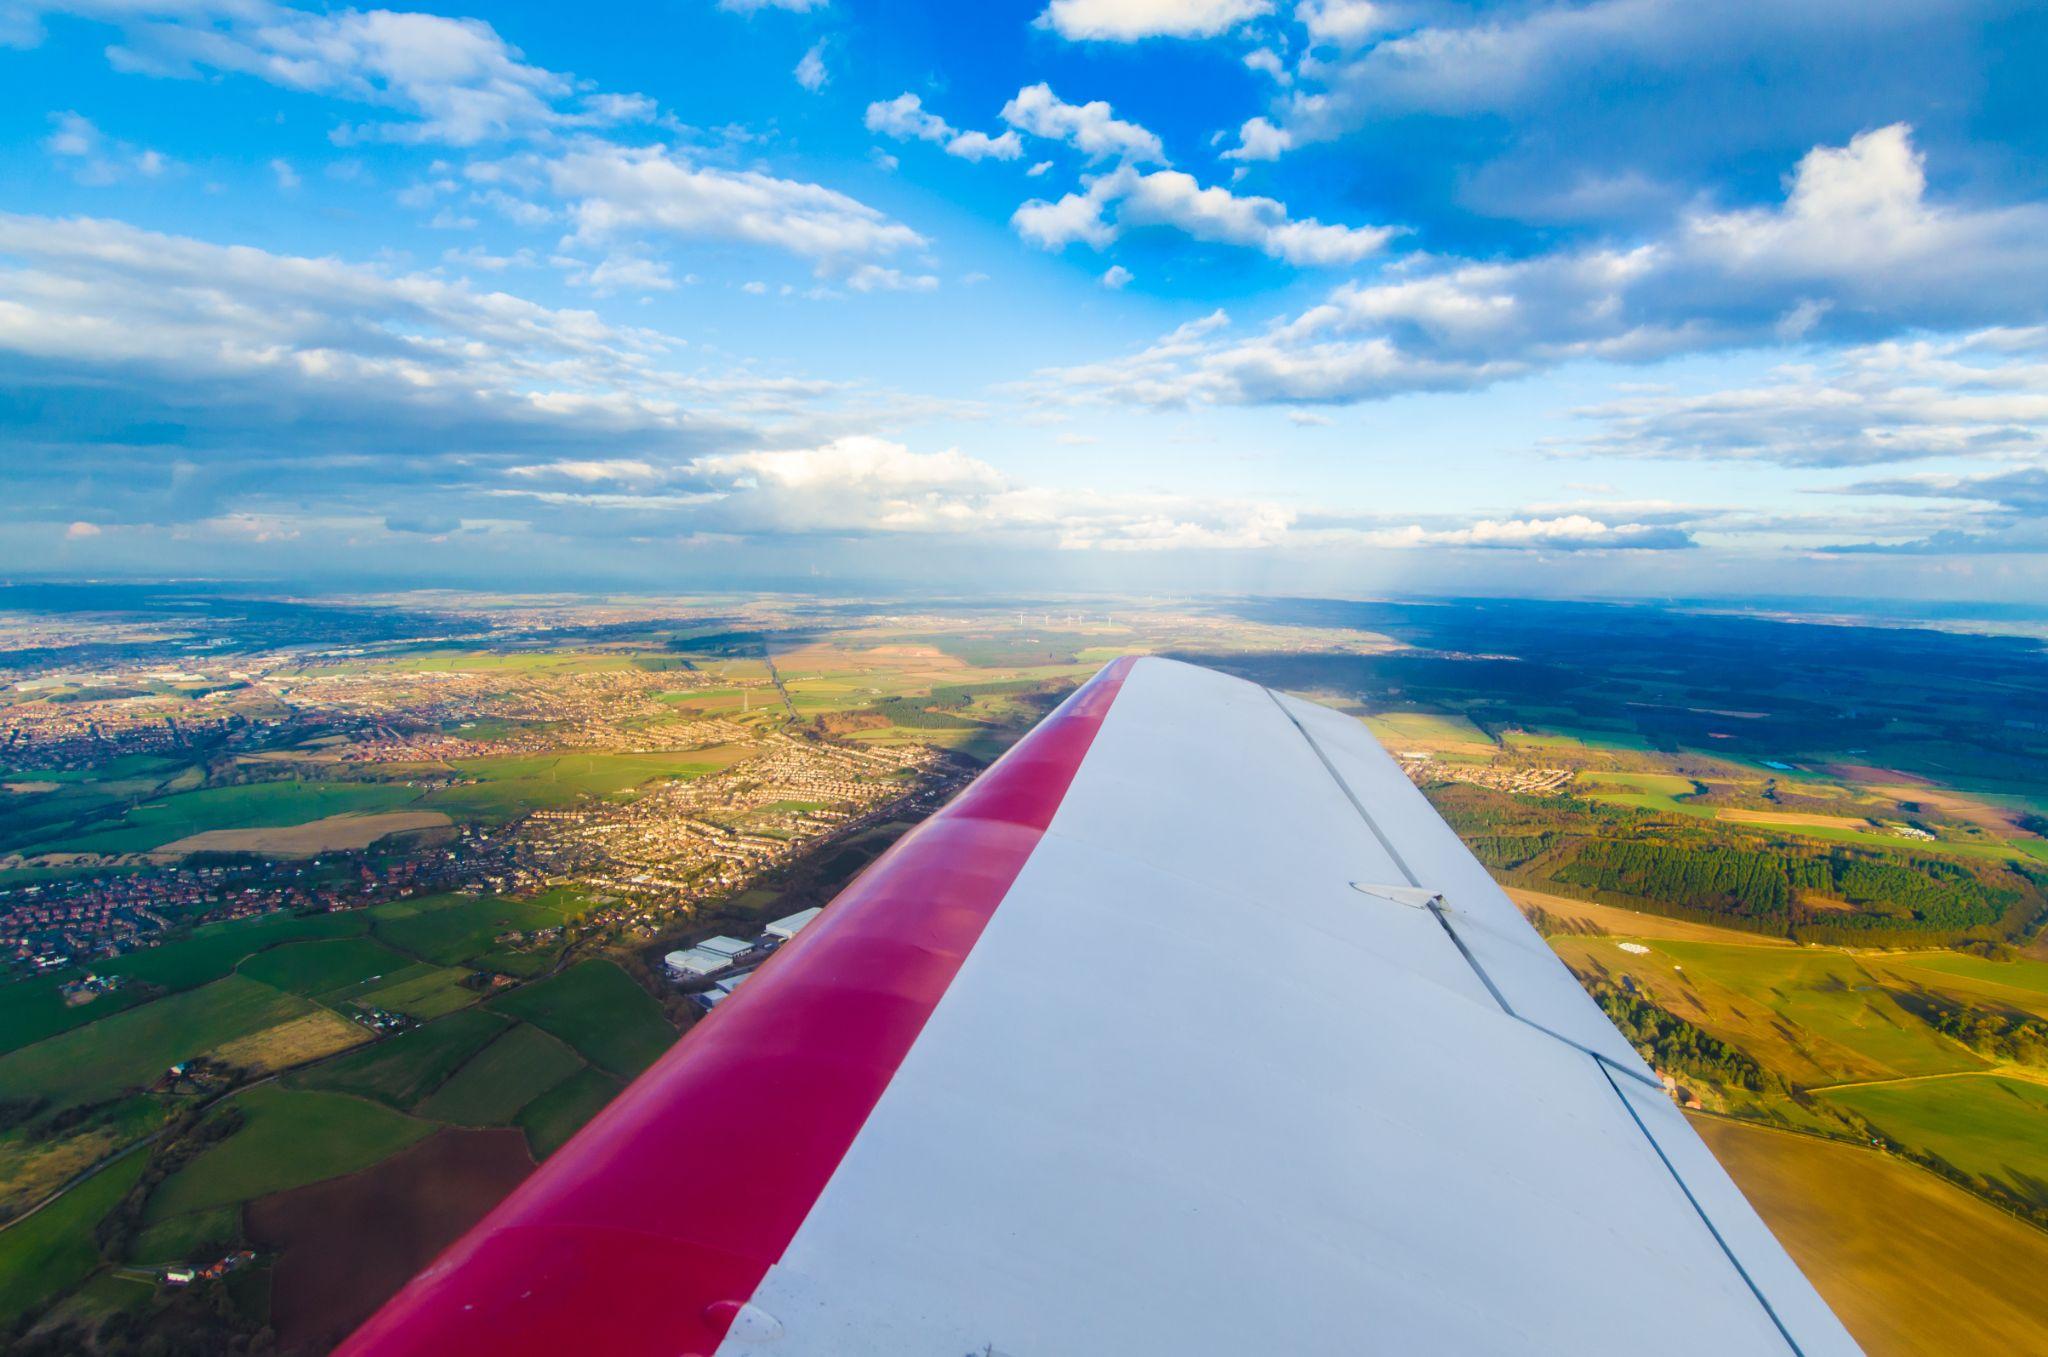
(1188,1028)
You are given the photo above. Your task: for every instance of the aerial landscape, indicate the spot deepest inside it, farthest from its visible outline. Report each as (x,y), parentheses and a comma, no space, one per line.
(327,919)
(508,513)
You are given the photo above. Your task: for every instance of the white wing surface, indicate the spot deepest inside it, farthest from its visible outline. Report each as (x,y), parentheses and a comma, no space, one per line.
(1189,1028)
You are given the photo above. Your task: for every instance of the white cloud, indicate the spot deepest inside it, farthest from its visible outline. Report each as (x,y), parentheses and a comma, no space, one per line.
(875,278)
(1342,23)
(1586,69)
(477,257)
(1172,199)
(1055,225)
(981,146)
(1855,246)
(1269,64)
(1259,139)
(1090,128)
(95,159)
(1039,169)
(619,271)
(756,6)
(591,471)
(462,83)
(1130,20)
(1117,278)
(1982,395)
(1571,532)
(906,119)
(865,486)
(387,381)
(287,177)
(614,190)
(810,70)
(519,211)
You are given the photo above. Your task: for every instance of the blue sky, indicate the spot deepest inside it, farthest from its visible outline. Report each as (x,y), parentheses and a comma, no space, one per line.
(1629,296)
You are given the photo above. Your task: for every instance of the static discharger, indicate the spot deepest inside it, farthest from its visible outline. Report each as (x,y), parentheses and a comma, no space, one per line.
(1415,897)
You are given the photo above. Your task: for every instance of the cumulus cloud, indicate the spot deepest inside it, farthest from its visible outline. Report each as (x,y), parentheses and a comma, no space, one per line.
(876,278)
(1169,198)
(1130,20)
(1091,128)
(1519,62)
(756,6)
(1999,513)
(862,486)
(457,79)
(1570,532)
(591,471)
(1343,23)
(95,159)
(1981,395)
(1857,247)
(810,70)
(619,271)
(613,190)
(1117,278)
(146,376)
(906,119)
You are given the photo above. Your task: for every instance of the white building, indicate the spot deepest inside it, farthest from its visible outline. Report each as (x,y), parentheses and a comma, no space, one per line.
(708,957)
(695,963)
(782,930)
(720,992)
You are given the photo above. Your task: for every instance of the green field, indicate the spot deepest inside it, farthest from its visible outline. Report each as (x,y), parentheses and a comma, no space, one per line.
(526,962)
(1987,1126)
(1825,994)
(596,1009)
(450,929)
(132,1049)
(313,969)
(31,1010)
(561,1112)
(485,662)
(1396,728)
(508,785)
(425,996)
(195,1236)
(403,1069)
(103,1295)
(2020,983)
(53,1249)
(213,950)
(256,805)
(502,1078)
(290,1137)
(1642,791)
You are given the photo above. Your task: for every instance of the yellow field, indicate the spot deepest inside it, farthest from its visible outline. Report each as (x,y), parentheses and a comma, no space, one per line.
(1794,818)
(1910,1264)
(336,833)
(292,1043)
(31,1170)
(1626,923)
(1425,730)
